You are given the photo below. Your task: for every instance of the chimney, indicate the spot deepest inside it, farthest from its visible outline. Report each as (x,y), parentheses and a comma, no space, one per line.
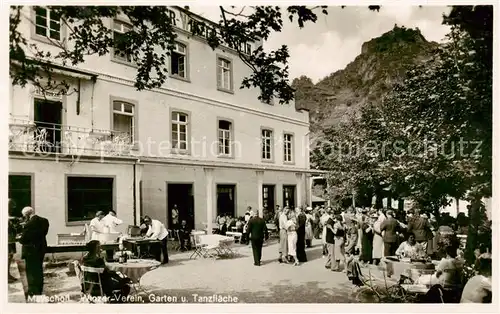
(186,7)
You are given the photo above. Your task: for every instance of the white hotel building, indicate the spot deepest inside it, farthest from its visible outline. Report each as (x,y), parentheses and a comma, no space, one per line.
(200,141)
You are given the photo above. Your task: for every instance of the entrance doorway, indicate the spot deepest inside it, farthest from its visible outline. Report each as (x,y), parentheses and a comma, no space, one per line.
(48,120)
(182,196)
(226,200)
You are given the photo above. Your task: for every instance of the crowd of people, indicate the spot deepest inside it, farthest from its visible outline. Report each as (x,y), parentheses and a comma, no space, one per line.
(367,235)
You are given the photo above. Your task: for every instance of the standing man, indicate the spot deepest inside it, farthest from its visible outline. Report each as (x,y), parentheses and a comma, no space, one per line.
(175,217)
(33,239)
(420,227)
(256,233)
(111,221)
(390,228)
(96,226)
(157,231)
(283,235)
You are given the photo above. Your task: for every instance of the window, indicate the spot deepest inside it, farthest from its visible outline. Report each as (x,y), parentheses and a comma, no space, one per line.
(123,121)
(267,140)
(178,60)
(19,194)
(289,196)
(47,23)
(179,131)
(225,138)
(119,31)
(87,196)
(288,147)
(248,49)
(224,75)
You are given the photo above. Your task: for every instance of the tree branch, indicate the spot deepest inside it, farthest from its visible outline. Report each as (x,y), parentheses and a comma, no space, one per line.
(242,56)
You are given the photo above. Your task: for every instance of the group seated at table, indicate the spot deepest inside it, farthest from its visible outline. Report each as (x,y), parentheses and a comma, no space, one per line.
(411,249)
(111,281)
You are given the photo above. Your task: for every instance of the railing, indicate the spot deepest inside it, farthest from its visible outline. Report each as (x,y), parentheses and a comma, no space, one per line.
(43,138)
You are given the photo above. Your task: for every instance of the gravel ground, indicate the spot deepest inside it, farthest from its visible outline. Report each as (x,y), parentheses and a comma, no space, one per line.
(185,280)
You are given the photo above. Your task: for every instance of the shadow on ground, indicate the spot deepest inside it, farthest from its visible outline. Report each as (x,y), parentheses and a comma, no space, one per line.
(284,292)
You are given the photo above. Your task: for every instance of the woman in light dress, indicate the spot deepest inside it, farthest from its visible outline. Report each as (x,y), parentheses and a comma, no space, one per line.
(291,227)
(378,241)
(309,227)
(324,218)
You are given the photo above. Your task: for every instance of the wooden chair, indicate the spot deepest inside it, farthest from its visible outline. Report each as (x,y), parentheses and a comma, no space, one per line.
(90,283)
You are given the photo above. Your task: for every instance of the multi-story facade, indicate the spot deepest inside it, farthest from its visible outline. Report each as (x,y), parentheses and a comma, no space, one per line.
(198,142)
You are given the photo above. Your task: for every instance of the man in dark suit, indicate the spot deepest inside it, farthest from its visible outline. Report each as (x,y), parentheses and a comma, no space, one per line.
(391,228)
(420,227)
(33,239)
(256,232)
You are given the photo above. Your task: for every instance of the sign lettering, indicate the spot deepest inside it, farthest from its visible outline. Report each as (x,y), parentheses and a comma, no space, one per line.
(200,28)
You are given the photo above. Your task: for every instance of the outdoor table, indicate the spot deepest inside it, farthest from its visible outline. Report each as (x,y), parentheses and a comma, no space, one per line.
(224,243)
(412,270)
(142,247)
(134,269)
(236,235)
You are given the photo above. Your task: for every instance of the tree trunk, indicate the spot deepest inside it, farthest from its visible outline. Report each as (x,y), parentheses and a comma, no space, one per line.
(474,210)
(457,206)
(389,202)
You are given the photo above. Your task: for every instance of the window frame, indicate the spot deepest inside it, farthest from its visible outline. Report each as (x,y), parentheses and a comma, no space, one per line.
(114,57)
(66,192)
(135,117)
(177,150)
(231,138)
(32,186)
(45,39)
(272,141)
(292,148)
(186,76)
(219,73)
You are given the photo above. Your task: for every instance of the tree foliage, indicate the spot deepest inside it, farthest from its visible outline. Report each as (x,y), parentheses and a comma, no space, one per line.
(430,138)
(151,40)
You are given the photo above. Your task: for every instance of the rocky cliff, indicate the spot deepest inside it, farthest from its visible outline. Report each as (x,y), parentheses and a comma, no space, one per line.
(382,63)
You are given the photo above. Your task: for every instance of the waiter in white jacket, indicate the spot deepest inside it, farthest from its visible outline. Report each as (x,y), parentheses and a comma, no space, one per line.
(111,221)
(157,231)
(96,226)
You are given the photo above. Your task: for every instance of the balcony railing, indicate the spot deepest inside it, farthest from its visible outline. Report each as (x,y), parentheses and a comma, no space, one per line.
(43,138)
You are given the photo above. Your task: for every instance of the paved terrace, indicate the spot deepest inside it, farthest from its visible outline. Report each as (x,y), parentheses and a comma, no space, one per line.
(236,277)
